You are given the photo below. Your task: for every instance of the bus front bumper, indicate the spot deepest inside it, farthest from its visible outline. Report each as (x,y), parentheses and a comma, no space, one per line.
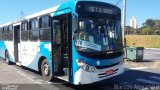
(83,77)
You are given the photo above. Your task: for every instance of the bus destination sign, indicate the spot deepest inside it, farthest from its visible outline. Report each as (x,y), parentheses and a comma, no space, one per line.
(100,9)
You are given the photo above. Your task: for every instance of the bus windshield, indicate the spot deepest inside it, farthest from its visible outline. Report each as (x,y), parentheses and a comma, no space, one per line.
(99,36)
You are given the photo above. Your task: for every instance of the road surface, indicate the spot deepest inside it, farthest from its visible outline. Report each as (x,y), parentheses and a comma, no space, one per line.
(136,77)
(152,54)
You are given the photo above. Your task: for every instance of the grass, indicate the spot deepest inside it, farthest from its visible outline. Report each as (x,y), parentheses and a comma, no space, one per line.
(147,41)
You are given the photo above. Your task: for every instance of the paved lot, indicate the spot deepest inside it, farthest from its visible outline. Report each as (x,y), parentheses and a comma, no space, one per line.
(152,54)
(137,76)
(17,78)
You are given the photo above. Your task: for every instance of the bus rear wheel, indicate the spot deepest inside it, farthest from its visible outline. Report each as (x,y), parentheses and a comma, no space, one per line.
(7,58)
(45,70)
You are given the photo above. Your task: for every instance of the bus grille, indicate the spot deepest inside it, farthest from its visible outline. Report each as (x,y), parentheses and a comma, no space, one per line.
(107,66)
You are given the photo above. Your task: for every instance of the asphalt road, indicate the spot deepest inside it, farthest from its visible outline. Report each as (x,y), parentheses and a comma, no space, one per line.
(152,54)
(135,77)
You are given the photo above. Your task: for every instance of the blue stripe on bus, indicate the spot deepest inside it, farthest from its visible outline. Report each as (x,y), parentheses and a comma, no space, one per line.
(2,49)
(43,52)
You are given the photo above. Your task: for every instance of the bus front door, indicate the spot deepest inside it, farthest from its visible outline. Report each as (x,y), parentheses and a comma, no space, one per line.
(62,46)
(17,43)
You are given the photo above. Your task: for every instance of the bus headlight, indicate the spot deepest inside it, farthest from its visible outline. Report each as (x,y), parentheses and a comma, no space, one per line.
(85,66)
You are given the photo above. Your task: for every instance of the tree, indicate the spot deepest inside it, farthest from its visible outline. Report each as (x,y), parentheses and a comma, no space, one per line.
(130,30)
(145,31)
(150,26)
(149,23)
(157,24)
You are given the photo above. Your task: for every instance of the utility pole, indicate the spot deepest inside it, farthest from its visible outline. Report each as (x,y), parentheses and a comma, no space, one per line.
(124,21)
(124,27)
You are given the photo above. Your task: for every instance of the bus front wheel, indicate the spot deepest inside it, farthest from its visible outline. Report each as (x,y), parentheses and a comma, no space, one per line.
(45,70)
(7,58)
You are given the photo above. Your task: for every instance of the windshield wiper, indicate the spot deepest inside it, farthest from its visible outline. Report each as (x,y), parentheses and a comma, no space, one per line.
(109,52)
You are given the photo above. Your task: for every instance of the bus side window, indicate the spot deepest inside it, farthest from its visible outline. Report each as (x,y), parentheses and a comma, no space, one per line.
(10,33)
(45,28)
(75,27)
(0,33)
(24,32)
(75,23)
(3,33)
(6,33)
(34,32)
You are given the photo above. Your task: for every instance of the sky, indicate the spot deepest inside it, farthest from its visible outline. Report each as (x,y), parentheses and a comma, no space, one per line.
(142,9)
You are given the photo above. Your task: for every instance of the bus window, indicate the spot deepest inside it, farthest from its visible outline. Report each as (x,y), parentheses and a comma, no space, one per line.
(10,33)
(1,34)
(33,33)
(45,21)
(45,29)
(24,32)
(75,24)
(5,33)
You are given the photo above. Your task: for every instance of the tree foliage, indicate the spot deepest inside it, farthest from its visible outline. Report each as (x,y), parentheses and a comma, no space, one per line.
(130,30)
(149,23)
(157,24)
(150,26)
(146,30)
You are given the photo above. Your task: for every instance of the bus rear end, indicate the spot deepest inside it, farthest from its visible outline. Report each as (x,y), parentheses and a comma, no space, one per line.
(97,43)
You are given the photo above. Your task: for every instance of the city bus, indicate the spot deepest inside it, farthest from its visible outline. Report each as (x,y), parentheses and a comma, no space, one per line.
(79,42)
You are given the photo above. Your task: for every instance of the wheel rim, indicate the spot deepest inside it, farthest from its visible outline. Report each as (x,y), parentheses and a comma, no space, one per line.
(46,69)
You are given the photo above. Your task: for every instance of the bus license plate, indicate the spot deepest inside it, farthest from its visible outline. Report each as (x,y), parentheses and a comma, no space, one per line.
(109,72)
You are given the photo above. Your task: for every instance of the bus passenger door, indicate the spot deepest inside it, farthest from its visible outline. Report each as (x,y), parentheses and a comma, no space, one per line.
(17,43)
(62,46)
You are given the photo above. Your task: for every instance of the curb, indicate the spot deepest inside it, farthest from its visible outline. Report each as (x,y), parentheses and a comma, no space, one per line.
(153,48)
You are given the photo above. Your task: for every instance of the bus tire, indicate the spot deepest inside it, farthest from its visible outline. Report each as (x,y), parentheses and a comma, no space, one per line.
(7,58)
(45,70)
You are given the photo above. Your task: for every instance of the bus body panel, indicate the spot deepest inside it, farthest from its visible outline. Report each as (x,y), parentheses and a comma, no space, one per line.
(10,49)
(45,51)
(83,77)
(7,46)
(2,48)
(29,54)
(32,52)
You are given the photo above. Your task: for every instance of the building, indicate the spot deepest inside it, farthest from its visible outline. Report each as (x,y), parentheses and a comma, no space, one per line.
(133,23)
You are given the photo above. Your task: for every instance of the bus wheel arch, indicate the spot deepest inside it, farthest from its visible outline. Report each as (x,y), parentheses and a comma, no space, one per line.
(44,69)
